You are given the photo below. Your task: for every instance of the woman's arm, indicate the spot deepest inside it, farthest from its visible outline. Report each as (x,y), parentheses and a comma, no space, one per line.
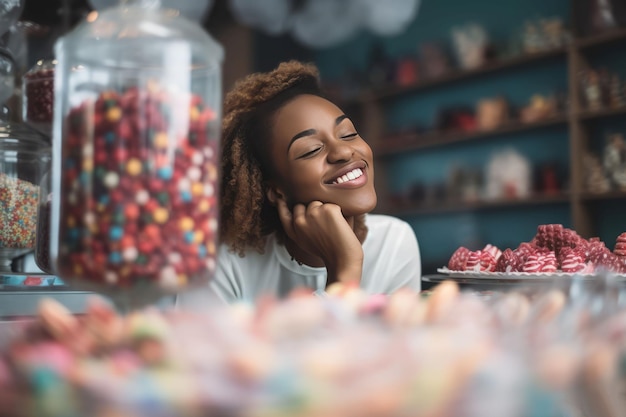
(321,230)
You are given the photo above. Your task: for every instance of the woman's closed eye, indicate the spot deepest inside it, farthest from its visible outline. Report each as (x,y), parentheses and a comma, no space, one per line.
(310,153)
(349,136)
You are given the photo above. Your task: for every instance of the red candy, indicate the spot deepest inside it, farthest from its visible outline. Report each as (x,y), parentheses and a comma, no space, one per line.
(458,259)
(549,236)
(532,264)
(509,261)
(620,245)
(554,248)
(524,249)
(572,262)
(548,263)
(473,261)
(493,251)
(487,262)
(129,183)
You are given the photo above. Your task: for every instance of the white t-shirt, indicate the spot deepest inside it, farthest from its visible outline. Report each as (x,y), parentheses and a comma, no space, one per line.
(391,261)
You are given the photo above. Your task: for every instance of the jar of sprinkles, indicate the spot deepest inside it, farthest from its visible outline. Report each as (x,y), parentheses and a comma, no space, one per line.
(137,110)
(24,158)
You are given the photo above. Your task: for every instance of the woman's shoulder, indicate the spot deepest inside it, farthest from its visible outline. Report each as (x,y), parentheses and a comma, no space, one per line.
(250,254)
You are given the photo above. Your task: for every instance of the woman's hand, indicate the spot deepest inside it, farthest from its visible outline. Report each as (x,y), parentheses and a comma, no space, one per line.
(321,230)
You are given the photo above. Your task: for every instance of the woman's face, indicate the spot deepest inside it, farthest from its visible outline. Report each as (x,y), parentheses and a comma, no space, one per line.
(317,154)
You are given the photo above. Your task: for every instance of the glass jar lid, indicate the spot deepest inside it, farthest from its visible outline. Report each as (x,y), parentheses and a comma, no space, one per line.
(17,137)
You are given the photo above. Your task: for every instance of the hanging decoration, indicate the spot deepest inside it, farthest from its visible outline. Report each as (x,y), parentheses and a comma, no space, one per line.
(325,23)
(269,16)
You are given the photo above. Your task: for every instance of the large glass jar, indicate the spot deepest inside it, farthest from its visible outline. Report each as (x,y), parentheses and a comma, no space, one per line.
(135,142)
(24,158)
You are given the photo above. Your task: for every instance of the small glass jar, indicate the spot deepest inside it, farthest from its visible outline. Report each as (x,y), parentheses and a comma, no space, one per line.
(24,157)
(42,237)
(10,13)
(7,75)
(136,138)
(38,96)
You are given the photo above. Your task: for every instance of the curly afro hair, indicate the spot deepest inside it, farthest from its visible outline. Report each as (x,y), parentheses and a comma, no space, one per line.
(246,217)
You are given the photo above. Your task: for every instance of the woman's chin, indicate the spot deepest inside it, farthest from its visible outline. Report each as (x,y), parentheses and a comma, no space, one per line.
(358,208)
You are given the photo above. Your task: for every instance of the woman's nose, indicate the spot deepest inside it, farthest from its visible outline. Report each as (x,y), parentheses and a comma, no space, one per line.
(340,151)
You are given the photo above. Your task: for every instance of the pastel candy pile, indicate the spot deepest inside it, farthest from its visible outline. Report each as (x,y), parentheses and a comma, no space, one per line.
(139,190)
(345,353)
(553,249)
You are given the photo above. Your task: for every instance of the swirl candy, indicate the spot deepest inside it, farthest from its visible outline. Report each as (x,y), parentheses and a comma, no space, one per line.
(509,262)
(620,245)
(573,262)
(532,264)
(548,262)
(553,249)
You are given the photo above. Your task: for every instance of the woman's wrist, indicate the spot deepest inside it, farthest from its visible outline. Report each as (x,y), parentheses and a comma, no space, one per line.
(345,271)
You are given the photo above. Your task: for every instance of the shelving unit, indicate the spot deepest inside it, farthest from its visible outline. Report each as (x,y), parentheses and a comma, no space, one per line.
(456,75)
(369,105)
(400,209)
(415,141)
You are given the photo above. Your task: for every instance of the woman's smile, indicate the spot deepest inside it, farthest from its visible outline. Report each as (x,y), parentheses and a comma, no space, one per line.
(350,177)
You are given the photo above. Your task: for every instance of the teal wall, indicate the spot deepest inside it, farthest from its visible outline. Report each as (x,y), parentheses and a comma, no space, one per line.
(441,234)
(433,23)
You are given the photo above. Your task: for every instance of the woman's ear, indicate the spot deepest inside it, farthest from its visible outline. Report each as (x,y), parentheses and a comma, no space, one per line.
(273,194)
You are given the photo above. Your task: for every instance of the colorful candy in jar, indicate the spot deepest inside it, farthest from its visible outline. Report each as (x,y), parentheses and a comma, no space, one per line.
(139,190)
(18,212)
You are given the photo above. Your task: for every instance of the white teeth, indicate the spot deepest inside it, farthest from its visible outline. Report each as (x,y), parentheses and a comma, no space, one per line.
(352,175)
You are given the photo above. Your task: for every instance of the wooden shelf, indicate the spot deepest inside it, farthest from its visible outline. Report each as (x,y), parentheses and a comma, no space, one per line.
(455,75)
(412,142)
(461,207)
(601,114)
(611,195)
(602,39)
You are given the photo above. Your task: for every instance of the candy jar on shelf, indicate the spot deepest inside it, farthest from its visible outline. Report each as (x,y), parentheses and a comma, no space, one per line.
(38,96)
(136,131)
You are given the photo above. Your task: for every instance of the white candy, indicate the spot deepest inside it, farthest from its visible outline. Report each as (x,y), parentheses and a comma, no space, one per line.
(110,277)
(142,197)
(209,190)
(194,174)
(167,278)
(197,158)
(174,258)
(111,180)
(130,254)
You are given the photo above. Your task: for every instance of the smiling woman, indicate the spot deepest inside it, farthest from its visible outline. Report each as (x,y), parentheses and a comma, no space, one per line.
(297,186)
